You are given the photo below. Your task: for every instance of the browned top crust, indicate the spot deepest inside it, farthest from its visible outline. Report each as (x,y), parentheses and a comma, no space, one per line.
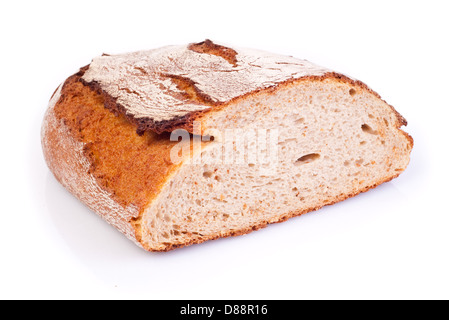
(169,87)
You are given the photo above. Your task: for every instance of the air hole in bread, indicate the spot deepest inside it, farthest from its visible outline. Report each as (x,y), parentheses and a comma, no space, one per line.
(367,129)
(307,158)
(207,174)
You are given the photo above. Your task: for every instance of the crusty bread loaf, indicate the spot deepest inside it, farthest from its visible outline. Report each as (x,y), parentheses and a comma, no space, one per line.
(269,137)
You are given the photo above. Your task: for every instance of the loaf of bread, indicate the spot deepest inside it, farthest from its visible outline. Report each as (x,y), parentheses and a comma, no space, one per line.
(184,144)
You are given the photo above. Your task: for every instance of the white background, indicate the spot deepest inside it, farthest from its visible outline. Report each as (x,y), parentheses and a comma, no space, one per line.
(389,243)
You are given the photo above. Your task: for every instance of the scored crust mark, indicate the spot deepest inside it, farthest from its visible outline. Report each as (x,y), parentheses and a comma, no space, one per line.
(163,126)
(209,47)
(145,124)
(189,89)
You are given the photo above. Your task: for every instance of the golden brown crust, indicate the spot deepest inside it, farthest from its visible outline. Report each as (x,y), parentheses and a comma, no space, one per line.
(131,167)
(66,158)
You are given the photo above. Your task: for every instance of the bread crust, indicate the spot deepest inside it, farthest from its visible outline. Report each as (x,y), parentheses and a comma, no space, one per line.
(68,152)
(66,157)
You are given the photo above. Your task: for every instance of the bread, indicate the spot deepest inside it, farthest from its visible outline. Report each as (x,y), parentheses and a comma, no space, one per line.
(273,137)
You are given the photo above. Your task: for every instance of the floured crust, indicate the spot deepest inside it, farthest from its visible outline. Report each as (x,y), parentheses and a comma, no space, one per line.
(169,87)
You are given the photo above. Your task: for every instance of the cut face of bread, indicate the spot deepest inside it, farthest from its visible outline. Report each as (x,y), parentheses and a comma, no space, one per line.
(334,140)
(296,139)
